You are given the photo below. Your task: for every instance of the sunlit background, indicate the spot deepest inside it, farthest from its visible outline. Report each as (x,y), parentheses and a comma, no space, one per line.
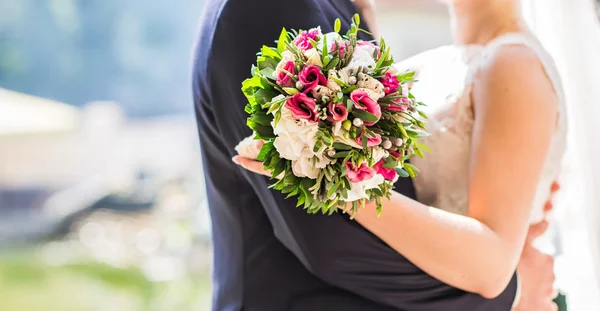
(101,191)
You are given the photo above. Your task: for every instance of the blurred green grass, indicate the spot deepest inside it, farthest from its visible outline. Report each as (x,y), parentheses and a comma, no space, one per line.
(27,283)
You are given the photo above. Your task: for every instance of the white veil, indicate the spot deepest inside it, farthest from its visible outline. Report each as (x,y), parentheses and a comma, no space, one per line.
(570,31)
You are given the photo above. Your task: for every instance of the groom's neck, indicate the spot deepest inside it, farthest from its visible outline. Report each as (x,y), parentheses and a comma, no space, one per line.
(478,22)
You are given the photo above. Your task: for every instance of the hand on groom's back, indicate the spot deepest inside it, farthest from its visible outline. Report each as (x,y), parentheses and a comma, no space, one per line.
(536,269)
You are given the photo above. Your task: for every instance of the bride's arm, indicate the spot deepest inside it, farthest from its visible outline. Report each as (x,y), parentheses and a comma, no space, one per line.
(516,110)
(367,11)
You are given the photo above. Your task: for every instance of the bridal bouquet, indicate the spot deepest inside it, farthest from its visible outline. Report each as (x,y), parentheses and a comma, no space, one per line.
(337,120)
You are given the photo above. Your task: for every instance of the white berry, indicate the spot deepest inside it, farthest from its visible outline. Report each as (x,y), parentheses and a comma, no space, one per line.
(387,144)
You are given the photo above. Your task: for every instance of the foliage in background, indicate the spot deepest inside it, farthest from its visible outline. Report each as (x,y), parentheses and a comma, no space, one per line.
(133,52)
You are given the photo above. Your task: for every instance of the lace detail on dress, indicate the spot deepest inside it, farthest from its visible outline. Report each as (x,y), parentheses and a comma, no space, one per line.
(443,181)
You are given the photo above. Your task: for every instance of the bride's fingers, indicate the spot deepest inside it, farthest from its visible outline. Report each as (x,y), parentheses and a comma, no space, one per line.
(251,165)
(249,147)
(536,230)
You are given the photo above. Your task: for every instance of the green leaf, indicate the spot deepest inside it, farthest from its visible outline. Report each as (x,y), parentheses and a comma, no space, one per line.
(301,200)
(337,26)
(402,130)
(341,154)
(291,90)
(318,146)
(270,52)
(365,116)
(356,19)
(268,73)
(332,190)
(341,146)
(349,105)
(263,96)
(338,81)
(349,89)
(401,172)
(391,164)
(409,75)
(412,167)
(334,62)
(419,152)
(266,148)
(365,141)
(267,62)
(283,40)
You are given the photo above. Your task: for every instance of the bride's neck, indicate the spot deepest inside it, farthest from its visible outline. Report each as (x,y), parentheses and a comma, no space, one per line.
(478,22)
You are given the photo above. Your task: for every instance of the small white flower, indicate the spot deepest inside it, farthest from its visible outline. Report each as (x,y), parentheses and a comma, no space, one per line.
(331,84)
(378,153)
(313,57)
(359,189)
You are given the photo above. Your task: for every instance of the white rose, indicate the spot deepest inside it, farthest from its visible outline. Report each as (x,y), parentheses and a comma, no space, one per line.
(313,57)
(303,167)
(359,189)
(295,141)
(289,124)
(363,56)
(288,147)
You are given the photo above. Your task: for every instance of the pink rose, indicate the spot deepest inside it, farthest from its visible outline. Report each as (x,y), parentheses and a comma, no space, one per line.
(358,174)
(387,173)
(371,141)
(303,39)
(283,78)
(302,107)
(399,105)
(310,77)
(390,83)
(362,101)
(337,112)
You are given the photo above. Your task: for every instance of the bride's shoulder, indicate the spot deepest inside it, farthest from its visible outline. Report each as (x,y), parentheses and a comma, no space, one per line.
(512,72)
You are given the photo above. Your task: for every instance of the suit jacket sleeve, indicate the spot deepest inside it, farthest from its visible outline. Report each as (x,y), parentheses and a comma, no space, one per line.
(335,249)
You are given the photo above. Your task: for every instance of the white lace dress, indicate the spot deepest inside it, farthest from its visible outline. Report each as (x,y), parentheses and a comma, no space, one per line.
(446,76)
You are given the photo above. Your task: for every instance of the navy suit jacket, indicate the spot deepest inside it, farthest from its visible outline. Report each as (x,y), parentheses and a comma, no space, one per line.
(269,255)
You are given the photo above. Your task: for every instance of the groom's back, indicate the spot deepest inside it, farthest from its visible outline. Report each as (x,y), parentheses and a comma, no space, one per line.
(253,270)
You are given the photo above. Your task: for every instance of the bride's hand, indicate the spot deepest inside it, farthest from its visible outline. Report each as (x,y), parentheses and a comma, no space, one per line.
(251,165)
(248,150)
